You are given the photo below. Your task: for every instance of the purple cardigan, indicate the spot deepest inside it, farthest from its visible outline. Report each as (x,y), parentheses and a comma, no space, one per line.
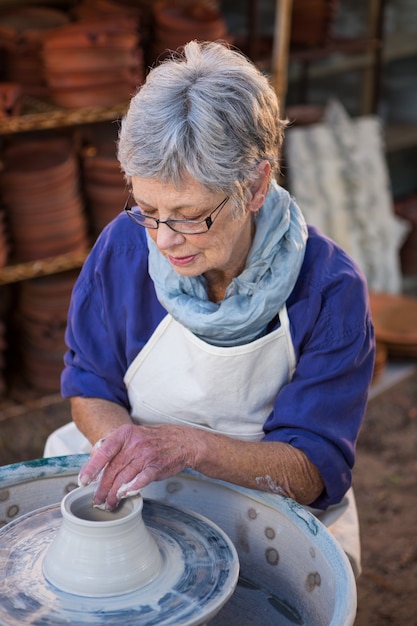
(114,310)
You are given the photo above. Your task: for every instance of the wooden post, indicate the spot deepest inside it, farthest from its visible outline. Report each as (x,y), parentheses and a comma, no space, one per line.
(281,46)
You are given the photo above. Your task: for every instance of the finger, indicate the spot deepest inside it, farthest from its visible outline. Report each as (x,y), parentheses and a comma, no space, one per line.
(103,452)
(122,470)
(141,480)
(124,487)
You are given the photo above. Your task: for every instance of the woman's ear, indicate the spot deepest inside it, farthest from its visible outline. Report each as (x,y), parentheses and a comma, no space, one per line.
(260,186)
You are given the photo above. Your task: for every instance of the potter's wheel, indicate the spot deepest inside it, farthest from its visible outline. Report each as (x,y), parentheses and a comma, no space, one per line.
(199,574)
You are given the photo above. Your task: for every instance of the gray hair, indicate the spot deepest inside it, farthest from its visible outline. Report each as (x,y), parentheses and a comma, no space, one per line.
(208,112)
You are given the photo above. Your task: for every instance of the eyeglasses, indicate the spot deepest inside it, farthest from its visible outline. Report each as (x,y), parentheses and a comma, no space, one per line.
(185,227)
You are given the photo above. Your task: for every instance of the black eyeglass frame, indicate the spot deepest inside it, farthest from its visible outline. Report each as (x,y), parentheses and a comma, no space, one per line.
(208,221)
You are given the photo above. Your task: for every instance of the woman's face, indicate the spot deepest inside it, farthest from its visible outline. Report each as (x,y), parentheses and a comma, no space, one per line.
(220,253)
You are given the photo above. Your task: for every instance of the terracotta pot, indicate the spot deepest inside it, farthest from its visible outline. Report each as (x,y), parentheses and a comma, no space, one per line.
(84,38)
(198,30)
(42,368)
(44,250)
(107,194)
(41,189)
(311,22)
(176,24)
(187,17)
(10,99)
(21,31)
(97,95)
(90,9)
(55,215)
(109,178)
(133,76)
(64,230)
(29,159)
(46,299)
(101,31)
(91,59)
(61,201)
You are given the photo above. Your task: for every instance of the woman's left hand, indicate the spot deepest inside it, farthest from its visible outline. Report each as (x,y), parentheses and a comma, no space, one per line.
(130,457)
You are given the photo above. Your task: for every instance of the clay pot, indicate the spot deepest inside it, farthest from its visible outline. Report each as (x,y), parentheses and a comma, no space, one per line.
(311,22)
(90,9)
(41,188)
(93,33)
(88,78)
(45,248)
(30,159)
(42,315)
(26,24)
(105,203)
(93,62)
(86,37)
(106,553)
(104,183)
(177,24)
(105,95)
(10,99)
(188,18)
(91,59)
(102,171)
(46,299)
(21,31)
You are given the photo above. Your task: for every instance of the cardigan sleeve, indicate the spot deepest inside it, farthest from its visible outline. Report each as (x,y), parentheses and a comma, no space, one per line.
(112,314)
(320,411)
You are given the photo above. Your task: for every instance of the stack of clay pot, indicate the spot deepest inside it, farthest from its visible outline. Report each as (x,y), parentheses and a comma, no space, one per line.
(104,184)
(42,317)
(91,9)
(176,23)
(41,190)
(21,30)
(138,11)
(311,22)
(93,62)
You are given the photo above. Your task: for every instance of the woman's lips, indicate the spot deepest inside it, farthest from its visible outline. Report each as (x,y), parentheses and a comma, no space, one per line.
(181,260)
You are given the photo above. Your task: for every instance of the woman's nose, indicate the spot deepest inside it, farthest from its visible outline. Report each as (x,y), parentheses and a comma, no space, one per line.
(167,238)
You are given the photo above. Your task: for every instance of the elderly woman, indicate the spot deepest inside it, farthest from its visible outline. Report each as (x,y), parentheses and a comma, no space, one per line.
(210,328)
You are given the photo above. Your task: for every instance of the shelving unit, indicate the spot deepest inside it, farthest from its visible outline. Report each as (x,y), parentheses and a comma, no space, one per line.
(286,64)
(41,116)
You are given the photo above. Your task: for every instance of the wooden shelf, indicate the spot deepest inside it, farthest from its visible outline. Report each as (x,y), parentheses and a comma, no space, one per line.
(23,271)
(39,115)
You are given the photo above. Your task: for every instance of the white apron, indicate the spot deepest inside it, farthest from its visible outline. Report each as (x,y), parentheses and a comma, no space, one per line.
(179,379)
